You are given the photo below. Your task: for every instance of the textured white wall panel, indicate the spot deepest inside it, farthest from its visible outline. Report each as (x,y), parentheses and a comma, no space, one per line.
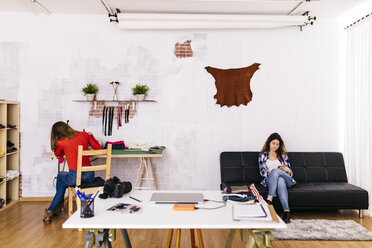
(50,58)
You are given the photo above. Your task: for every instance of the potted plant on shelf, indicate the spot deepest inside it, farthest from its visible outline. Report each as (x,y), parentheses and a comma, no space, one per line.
(90,91)
(140,91)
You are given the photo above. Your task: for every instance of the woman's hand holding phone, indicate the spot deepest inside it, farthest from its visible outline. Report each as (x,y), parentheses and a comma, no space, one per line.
(284,168)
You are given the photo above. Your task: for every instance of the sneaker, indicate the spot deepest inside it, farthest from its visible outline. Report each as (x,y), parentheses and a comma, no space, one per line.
(286,217)
(9,144)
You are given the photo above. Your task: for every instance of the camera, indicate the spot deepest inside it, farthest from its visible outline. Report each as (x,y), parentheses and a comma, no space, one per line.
(113,187)
(121,188)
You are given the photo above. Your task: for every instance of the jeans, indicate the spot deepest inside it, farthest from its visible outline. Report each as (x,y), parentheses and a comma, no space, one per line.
(278,182)
(64,180)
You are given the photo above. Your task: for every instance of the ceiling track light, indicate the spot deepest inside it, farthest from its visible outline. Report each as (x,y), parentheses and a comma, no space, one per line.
(40,6)
(310,19)
(107,7)
(207,21)
(114,17)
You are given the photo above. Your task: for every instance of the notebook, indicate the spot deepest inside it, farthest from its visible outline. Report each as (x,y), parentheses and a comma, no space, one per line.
(241,212)
(172,198)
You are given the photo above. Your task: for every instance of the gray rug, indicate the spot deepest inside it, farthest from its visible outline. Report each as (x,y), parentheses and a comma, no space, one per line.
(323,230)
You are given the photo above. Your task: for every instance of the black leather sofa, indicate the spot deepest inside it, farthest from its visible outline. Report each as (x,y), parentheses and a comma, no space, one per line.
(320,176)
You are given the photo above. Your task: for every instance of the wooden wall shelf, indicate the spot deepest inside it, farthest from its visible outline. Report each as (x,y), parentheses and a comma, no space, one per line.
(114,101)
(98,105)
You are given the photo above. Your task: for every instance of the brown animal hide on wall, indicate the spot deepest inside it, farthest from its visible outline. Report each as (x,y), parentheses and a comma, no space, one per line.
(233,85)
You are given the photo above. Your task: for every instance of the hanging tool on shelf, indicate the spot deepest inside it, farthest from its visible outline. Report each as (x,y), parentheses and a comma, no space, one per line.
(107,120)
(111,120)
(120,114)
(127,109)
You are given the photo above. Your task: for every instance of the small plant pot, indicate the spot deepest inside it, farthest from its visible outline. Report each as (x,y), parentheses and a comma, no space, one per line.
(140,97)
(90,97)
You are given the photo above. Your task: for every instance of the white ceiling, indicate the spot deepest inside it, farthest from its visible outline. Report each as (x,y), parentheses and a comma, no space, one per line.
(256,7)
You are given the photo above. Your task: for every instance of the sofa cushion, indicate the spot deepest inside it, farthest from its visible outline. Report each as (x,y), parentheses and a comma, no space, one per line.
(317,166)
(323,195)
(239,167)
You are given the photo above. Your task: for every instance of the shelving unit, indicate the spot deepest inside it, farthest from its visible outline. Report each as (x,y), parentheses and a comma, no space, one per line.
(9,115)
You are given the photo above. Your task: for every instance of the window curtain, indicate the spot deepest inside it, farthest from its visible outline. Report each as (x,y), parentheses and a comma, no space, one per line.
(358,109)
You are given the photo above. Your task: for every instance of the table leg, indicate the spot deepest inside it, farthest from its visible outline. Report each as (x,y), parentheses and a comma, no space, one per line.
(243,235)
(102,237)
(142,172)
(178,238)
(250,242)
(113,234)
(170,236)
(107,243)
(89,240)
(268,238)
(230,238)
(147,173)
(138,174)
(200,238)
(258,237)
(192,237)
(124,232)
(99,238)
(153,174)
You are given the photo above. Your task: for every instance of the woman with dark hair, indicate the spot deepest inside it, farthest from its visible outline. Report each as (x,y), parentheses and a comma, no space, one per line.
(64,141)
(276,172)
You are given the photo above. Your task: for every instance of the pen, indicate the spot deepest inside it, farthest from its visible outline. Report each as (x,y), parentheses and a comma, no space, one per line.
(90,202)
(135,199)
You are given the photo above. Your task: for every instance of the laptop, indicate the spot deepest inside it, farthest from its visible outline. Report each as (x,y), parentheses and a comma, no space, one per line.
(172,198)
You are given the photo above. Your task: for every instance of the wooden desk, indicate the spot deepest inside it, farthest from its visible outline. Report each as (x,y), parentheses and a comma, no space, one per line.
(162,216)
(145,160)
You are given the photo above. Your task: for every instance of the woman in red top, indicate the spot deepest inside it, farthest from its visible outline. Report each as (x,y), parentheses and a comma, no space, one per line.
(65,141)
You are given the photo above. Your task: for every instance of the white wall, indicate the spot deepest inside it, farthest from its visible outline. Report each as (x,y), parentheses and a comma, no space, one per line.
(46,60)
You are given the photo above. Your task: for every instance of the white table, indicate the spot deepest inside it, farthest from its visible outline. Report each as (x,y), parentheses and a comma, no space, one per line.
(162,216)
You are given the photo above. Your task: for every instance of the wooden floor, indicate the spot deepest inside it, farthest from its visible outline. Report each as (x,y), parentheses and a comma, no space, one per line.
(21,226)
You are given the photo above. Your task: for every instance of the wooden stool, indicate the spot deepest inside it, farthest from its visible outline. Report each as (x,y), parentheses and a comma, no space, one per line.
(192,236)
